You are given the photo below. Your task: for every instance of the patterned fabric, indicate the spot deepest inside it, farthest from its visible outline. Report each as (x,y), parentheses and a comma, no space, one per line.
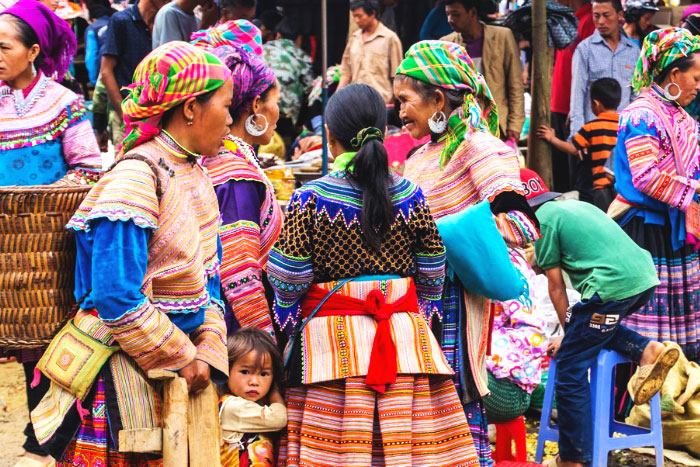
(518,339)
(93,446)
(164,79)
(335,347)
(43,134)
(56,39)
(673,313)
(182,256)
(255,451)
(481,168)
(648,173)
(292,66)
(240,32)
(322,241)
(476,417)
(661,48)
(448,65)
(250,226)
(418,421)
(332,76)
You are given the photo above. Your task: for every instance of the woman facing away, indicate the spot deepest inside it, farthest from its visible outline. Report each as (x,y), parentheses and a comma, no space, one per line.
(45,136)
(251,216)
(147,261)
(357,272)
(443,95)
(656,171)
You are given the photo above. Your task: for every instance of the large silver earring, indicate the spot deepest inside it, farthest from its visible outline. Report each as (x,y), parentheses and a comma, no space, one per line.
(438,122)
(33,70)
(255,129)
(667,91)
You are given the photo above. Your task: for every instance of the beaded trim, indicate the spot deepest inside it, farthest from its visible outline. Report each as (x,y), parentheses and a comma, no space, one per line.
(22,105)
(73,113)
(246,150)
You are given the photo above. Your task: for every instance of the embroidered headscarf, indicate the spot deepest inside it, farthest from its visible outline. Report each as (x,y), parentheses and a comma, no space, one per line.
(251,75)
(56,39)
(240,32)
(167,77)
(447,65)
(661,48)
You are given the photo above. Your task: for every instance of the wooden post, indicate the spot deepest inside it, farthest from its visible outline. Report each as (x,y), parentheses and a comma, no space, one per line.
(539,153)
(204,434)
(175,401)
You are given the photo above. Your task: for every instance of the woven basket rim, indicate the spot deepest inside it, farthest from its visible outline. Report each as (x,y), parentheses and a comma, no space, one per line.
(40,189)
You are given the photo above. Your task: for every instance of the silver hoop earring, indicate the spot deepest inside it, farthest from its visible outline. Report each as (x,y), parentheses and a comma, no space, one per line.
(667,92)
(438,122)
(253,128)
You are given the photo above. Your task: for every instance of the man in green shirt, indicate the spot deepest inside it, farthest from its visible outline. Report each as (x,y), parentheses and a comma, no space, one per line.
(615,278)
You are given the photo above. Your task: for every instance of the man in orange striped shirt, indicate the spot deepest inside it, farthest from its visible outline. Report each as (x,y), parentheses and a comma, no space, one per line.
(593,144)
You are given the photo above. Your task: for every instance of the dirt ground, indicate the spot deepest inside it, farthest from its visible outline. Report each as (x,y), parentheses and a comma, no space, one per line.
(13,415)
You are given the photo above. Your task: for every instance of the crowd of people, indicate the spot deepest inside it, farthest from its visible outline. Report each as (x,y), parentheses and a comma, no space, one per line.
(347,330)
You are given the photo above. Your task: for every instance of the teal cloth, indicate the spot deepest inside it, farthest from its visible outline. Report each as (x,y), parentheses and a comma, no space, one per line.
(477,253)
(593,250)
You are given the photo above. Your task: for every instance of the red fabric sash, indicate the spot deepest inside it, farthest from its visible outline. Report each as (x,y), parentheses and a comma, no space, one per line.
(382,360)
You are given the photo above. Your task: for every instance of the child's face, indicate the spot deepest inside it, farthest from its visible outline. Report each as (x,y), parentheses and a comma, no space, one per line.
(249,378)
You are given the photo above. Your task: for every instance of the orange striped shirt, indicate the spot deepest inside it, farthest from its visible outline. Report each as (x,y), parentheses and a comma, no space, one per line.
(598,137)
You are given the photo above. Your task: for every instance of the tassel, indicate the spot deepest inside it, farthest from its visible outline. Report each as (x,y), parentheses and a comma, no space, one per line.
(81,411)
(37,378)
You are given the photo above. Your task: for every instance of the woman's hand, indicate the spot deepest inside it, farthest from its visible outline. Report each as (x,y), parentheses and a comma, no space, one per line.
(553,346)
(197,375)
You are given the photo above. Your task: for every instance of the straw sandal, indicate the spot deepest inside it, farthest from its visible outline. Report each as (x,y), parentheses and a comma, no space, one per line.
(650,378)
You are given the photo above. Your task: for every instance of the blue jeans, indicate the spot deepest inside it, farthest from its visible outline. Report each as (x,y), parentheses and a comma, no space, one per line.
(591,325)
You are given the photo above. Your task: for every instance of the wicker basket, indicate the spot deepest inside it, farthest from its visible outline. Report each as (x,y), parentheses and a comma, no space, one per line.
(37,262)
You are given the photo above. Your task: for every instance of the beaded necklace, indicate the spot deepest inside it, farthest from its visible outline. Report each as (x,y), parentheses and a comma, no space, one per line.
(247,150)
(176,149)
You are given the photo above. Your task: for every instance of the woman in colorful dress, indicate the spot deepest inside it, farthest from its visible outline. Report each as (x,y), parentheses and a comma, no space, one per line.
(147,261)
(360,263)
(251,216)
(656,171)
(442,95)
(45,136)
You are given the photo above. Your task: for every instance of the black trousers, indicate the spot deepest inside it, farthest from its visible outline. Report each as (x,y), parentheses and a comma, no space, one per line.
(34,396)
(562,163)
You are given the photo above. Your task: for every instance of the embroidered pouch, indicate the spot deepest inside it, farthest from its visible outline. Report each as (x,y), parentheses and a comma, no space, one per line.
(477,253)
(73,359)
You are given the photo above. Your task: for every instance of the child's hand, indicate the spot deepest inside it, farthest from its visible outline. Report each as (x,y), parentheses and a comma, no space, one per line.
(546,133)
(553,346)
(275,396)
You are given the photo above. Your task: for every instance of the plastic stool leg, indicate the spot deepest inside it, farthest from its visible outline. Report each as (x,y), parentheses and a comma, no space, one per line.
(546,417)
(656,430)
(518,432)
(504,438)
(602,401)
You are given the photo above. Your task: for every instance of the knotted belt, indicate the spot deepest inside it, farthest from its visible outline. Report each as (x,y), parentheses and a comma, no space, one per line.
(382,361)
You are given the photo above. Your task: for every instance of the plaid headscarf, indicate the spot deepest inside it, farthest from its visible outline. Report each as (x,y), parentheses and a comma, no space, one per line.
(447,65)
(251,75)
(165,78)
(241,32)
(661,48)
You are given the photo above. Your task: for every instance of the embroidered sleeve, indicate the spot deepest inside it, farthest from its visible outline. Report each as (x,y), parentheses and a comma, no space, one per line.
(653,174)
(290,267)
(80,147)
(517,228)
(240,203)
(119,262)
(493,170)
(430,260)
(210,340)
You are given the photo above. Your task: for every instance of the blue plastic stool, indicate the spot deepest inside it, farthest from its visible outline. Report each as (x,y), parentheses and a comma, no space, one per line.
(604,424)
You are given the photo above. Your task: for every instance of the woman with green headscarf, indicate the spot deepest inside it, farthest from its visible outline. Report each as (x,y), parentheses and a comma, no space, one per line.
(444,96)
(656,170)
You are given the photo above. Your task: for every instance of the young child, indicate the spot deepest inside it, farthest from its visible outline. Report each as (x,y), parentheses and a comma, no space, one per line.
(615,278)
(593,144)
(251,403)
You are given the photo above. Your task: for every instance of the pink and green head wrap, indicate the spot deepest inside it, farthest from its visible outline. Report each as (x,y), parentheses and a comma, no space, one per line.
(241,32)
(661,48)
(447,65)
(238,45)
(166,78)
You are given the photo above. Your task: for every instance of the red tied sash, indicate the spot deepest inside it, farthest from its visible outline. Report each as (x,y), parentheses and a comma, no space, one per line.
(382,360)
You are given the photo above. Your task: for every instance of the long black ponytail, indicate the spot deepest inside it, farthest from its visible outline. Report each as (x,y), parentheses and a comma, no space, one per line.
(356,117)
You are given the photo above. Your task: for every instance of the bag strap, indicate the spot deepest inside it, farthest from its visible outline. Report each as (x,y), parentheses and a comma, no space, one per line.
(151,165)
(302,324)
(669,130)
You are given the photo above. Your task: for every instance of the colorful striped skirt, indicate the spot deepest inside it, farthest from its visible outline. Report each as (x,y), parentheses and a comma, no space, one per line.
(418,421)
(93,446)
(673,313)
